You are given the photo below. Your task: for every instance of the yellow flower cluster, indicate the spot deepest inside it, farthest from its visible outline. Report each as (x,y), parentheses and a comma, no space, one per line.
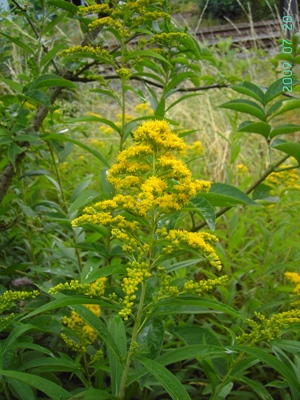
(97,143)
(136,274)
(96,9)
(166,290)
(203,286)
(84,332)
(289,179)
(143,108)
(153,150)
(96,357)
(269,329)
(295,278)
(151,15)
(9,297)
(200,241)
(105,21)
(168,37)
(242,168)
(98,51)
(123,73)
(196,148)
(96,289)
(139,5)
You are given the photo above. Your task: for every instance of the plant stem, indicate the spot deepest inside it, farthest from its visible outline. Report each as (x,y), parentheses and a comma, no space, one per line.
(132,343)
(65,205)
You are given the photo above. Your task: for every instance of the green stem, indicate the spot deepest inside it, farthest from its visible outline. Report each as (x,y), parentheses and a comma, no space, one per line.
(132,343)
(87,373)
(225,379)
(64,204)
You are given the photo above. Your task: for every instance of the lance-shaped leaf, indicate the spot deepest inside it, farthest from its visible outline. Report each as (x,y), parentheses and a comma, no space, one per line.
(19,43)
(205,210)
(290,148)
(276,88)
(147,53)
(262,128)
(51,389)
(284,129)
(63,138)
(71,8)
(171,384)
(287,105)
(247,107)
(83,199)
(49,80)
(251,90)
(223,195)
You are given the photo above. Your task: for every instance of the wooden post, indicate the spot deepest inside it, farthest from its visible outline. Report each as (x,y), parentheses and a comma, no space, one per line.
(290,7)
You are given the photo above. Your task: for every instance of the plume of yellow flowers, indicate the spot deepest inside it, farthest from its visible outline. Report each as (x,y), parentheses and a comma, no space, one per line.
(154,181)
(84,333)
(268,329)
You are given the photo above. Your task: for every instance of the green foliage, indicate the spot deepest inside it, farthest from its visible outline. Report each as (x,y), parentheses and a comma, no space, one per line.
(101,213)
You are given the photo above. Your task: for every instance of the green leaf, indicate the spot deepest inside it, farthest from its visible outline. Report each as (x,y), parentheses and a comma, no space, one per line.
(63,138)
(291,346)
(96,119)
(194,305)
(285,128)
(23,390)
(275,89)
(53,23)
(50,80)
(182,98)
(287,105)
(49,364)
(107,187)
(224,195)
(151,337)
(71,8)
(35,173)
(65,301)
(263,192)
(84,198)
(171,384)
(32,346)
(290,148)
(118,333)
(206,211)
(247,107)
(51,54)
(39,96)
(94,273)
(185,353)
(13,150)
(286,372)
(100,328)
(249,89)
(26,138)
(93,394)
(262,128)
(51,389)
(147,53)
(257,387)
(13,85)
(177,79)
(109,93)
(19,43)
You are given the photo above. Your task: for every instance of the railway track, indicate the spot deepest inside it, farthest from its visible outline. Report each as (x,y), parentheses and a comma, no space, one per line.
(263,34)
(244,34)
